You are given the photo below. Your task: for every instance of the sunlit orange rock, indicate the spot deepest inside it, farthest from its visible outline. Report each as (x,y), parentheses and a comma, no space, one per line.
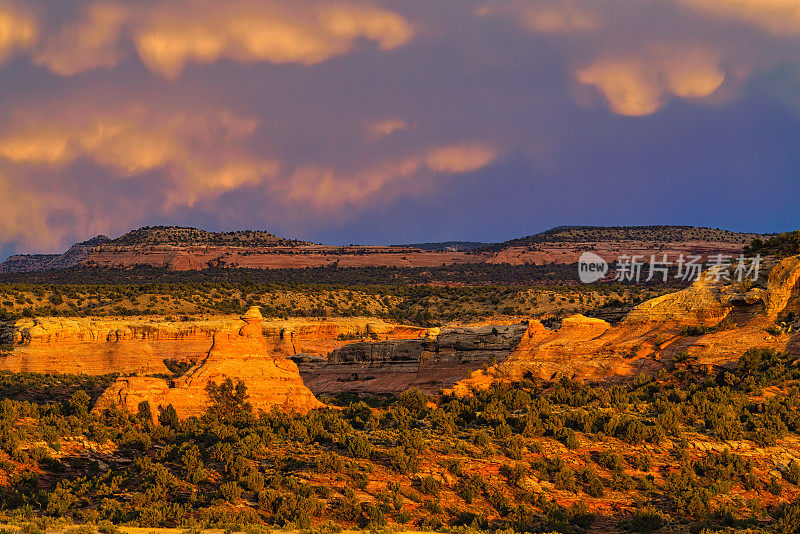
(728,318)
(139,345)
(272,380)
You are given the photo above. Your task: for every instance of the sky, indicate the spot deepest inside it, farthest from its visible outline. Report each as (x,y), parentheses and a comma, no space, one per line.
(391,122)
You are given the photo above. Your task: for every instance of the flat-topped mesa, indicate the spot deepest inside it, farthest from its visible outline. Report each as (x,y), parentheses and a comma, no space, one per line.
(271,379)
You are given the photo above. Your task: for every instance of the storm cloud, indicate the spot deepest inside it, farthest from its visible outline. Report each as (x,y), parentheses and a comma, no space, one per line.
(369,121)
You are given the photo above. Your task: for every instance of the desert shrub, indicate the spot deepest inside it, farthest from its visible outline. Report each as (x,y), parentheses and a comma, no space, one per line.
(481,439)
(430,485)
(569,438)
(594,485)
(792,474)
(359,446)
(565,479)
(229,403)
(106,527)
(635,432)
(512,473)
(645,521)
(611,461)
(403,461)
(230,491)
(169,417)
(694,330)
(329,462)
(788,519)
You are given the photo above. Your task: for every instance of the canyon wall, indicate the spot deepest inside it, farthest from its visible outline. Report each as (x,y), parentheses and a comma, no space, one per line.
(442,357)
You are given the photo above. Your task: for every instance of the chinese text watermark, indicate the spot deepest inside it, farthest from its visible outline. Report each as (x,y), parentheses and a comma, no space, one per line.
(685,267)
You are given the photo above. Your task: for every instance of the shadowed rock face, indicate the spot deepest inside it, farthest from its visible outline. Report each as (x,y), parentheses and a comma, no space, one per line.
(436,361)
(651,338)
(272,380)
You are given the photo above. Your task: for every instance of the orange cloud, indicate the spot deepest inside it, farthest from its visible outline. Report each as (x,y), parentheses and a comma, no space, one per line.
(246,32)
(693,74)
(547,16)
(635,67)
(91,43)
(638,86)
(780,17)
(379,129)
(25,219)
(17,31)
(327,189)
(197,151)
(626,85)
(167,36)
(460,158)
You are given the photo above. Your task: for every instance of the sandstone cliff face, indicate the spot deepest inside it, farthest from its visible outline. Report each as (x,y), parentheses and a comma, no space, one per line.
(651,337)
(101,346)
(139,345)
(271,380)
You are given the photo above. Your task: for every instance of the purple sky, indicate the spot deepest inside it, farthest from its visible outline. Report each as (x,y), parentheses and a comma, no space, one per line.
(390,122)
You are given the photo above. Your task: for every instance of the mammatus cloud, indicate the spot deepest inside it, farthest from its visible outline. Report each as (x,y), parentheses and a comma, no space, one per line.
(639,86)
(197,158)
(641,55)
(332,133)
(168,36)
(247,33)
(17,31)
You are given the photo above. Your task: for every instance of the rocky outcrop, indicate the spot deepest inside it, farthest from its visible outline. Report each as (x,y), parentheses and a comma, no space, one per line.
(100,346)
(711,322)
(139,345)
(438,360)
(272,381)
(783,294)
(704,303)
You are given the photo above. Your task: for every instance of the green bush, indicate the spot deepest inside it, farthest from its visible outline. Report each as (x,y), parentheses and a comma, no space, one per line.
(430,485)
(230,492)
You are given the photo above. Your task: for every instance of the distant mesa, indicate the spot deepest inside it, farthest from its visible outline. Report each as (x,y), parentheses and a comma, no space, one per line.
(177,248)
(448,245)
(654,233)
(184,236)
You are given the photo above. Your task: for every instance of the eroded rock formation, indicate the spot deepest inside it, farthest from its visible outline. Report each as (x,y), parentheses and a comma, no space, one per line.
(272,380)
(140,345)
(712,322)
(99,346)
(442,357)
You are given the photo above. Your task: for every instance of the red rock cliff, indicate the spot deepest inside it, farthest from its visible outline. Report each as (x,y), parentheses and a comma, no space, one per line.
(271,380)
